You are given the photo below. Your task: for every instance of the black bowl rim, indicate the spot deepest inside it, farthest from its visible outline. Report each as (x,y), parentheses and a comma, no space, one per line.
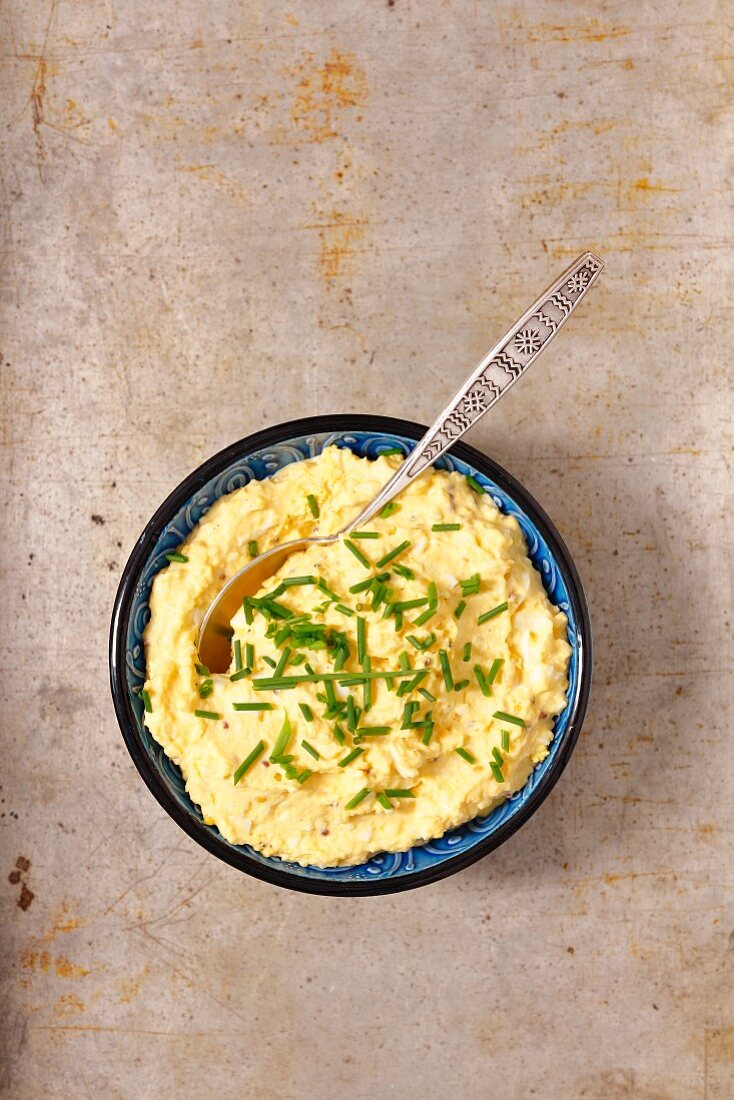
(340,422)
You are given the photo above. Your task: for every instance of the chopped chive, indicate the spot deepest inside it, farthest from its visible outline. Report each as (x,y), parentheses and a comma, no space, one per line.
(388,509)
(408,711)
(465,755)
(351,714)
(393,554)
(237,655)
(459,609)
(491,614)
(145,696)
(206,688)
(311,750)
(252,549)
(176,557)
(408,605)
(248,761)
(361,641)
(362,586)
(404,571)
(247,608)
(284,658)
(432,594)
(281,635)
(471,586)
(466,655)
(361,558)
(473,483)
(359,797)
(313,505)
(212,714)
(448,677)
(323,586)
(421,643)
(497,771)
(365,534)
(404,660)
(446,527)
(269,661)
(498,757)
(201,669)
(330,694)
(252,706)
(298,659)
(505,740)
(305,774)
(350,757)
(306,711)
(383,800)
(399,792)
(398,621)
(426,738)
(461,685)
(509,718)
(390,451)
(427,695)
(427,614)
(291,582)
(243,672)
(283,738)
(496,666)
(339,733)
(344,610)
(367,689)
(373,731)
(482,680)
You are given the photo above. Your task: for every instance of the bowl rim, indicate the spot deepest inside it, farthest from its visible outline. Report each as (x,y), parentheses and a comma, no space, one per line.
(188,487)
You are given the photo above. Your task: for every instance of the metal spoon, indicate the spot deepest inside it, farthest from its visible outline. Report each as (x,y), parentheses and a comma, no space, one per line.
(500,367)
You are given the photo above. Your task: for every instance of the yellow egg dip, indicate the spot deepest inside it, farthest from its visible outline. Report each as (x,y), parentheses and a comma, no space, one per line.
(383,689)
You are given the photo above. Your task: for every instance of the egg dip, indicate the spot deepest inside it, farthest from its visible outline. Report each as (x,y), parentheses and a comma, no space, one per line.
(383,689)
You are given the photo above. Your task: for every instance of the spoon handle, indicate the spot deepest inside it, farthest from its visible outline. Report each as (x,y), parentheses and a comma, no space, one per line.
(499,369)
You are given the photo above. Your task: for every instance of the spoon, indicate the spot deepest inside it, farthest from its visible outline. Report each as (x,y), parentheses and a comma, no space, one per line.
(499,368)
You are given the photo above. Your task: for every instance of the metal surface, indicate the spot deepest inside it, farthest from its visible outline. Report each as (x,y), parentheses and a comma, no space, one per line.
(498,370)
(206,205)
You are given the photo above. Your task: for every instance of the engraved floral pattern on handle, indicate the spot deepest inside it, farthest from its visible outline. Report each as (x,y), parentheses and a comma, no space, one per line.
(508,359)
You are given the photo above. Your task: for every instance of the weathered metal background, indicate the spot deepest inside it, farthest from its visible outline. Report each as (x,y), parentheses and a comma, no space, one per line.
(219,215)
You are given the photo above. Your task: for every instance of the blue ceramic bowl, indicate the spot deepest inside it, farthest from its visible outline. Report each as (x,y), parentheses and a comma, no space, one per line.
(258,456)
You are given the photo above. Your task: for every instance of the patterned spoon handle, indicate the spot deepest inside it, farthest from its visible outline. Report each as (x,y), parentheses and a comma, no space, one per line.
(499,369)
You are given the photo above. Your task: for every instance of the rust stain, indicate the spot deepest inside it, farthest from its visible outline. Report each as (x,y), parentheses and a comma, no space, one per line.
(324,91)
(67,969)
(65,920)
(26,897)
(36,960)
(68,1005)
(291,19)
(23,864)
(339,235)
(40,962)
(38,108)
(212,174)
(588,30)
(130,987)
(643,184)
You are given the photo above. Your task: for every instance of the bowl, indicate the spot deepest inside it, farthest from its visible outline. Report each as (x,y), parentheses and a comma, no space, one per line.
(258,456)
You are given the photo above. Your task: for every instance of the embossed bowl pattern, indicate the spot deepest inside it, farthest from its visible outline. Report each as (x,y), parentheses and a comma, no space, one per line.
(258,456)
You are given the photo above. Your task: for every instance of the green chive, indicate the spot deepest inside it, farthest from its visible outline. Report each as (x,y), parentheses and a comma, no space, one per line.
(206,688)
(350,757)
(446,527)
(283,738)
(408,711)
(247,608)
(323,586)
(432,594)
(237,655)
(284,658)
(466,655)
(365,534)
(399,792)
(466,755)
(339,733)
(252,549)
(243,672)
(177,557)
(269,661)
(291,582)
(361,641)
(448,678)
(481,680)
(367,690)
(248,761)
(390,451)
(201,669)
(393,554)
(496,666)
(306,711)
(408,605)
(361,558)
(362,586)
(344,610)
(145,696)
(212,714)
(471,586)
(404,571)
(311,750)
(427,695)
(383,800)
(422,619)
(298,659)
(461,685)
(497,771)
(249,655)
(306,774)
(388,509)
(506,740)
(252,706)
(373,731)
(360,797)
(459,609)
(491,614)
(498,757)
(473,483)
(509,718)
(313,505)
(351,714)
